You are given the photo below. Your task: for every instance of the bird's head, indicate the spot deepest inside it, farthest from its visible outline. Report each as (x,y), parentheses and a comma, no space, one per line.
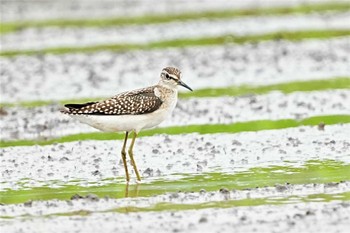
(171,77)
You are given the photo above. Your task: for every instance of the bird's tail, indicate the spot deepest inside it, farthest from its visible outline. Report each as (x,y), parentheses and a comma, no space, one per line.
(65,110)
(74,108)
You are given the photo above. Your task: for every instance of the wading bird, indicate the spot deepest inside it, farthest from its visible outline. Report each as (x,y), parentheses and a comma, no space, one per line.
(132,111)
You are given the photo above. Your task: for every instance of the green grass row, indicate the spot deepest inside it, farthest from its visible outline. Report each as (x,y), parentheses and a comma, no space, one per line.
(201,129)
(288,199)
(187,42)
(289,87)
(166,18)
(313,171)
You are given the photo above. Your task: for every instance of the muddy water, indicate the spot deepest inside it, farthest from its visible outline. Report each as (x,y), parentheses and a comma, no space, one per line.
(73,76)
(251,180)
(189,202)
(296,174)
(81,9)
(164,155)
(323,217)
(47,122)
(311,172)
(69,37)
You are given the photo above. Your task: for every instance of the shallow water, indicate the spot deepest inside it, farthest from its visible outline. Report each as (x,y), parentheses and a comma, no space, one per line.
(199,174)
(76,76)
(313,171)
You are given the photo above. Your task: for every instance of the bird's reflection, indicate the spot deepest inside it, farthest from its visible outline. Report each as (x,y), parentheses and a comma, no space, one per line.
(132,190)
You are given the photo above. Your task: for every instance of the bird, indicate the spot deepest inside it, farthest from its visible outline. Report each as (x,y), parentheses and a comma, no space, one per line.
(132,111)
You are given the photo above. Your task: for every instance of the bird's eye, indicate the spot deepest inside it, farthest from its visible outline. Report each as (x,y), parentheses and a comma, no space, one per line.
(167,76)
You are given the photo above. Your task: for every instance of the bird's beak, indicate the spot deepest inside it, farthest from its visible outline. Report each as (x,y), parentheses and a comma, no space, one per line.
(184,85)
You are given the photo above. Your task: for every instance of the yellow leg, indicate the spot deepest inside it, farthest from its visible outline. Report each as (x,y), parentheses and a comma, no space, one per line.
(124,157)
(131,154)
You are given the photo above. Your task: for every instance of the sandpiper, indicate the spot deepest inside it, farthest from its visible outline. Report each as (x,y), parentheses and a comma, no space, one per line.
(132,111)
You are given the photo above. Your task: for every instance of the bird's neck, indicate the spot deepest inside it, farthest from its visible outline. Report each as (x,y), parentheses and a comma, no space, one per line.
(166,92)
(168,97)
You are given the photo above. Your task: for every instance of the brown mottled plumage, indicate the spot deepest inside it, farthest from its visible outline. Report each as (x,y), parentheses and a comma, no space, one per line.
(173,71)
(135,102)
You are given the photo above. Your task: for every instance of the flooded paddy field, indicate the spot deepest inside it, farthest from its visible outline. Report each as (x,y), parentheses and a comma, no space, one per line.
(176,154)
(300,173)
(67,37)
(20,123)
(81,9)
(102,74)
(260,145)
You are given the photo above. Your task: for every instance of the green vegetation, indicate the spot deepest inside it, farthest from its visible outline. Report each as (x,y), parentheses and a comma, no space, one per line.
(313,171)
(168,206)
(166,18)
(201,129)
(186,42)
(310,85)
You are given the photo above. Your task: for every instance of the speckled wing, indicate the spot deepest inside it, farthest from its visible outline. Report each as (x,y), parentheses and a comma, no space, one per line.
(136,102)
